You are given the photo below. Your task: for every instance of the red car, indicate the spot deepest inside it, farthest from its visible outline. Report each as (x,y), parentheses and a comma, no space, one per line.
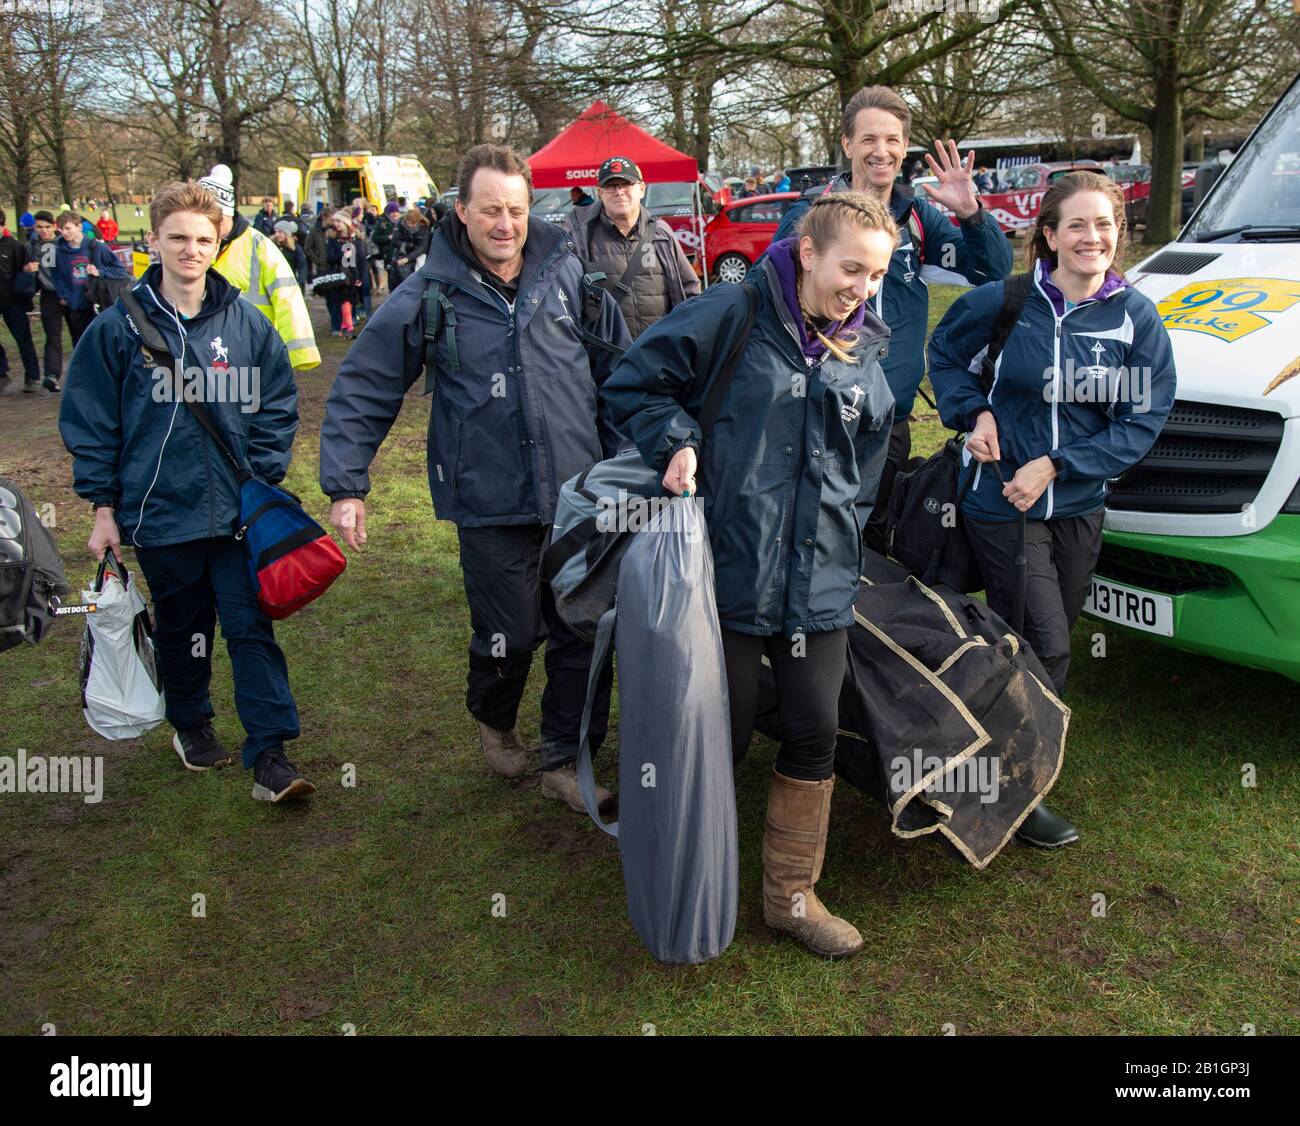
(738,234)
(1016,207)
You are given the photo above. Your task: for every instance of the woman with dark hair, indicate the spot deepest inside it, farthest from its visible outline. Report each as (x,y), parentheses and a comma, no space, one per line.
(1080,392)
(788,476)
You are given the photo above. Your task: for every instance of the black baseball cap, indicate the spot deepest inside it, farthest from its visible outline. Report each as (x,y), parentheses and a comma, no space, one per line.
(618,168)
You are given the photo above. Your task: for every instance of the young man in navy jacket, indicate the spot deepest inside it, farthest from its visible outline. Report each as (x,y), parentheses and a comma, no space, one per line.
(157,478)
(78,259)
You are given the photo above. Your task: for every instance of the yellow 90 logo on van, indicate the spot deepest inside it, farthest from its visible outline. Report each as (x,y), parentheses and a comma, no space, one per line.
(1228,308)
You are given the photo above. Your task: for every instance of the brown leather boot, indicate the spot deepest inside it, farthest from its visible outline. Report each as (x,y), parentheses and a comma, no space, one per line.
(503,751)
(794,845)
(561,784)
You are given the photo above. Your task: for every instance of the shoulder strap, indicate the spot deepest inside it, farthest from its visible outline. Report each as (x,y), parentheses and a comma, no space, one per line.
(152,339)
(624,284)
(437,309)
(722,384)
(1015,290)
(917,230)
(157,352)
(586,776)
(593,297)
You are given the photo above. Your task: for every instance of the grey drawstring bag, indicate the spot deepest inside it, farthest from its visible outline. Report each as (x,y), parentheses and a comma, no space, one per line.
(676,798)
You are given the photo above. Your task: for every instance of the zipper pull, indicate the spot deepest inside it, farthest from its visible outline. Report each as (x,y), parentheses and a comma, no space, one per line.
(239,535)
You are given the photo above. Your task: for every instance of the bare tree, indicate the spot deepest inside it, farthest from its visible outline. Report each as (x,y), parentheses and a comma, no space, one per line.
(325,29)
(245,73)
(18,134)
(383,80)
(67,52)
(1163,63)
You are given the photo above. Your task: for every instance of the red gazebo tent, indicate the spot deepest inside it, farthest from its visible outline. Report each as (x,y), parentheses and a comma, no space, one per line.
(573,156)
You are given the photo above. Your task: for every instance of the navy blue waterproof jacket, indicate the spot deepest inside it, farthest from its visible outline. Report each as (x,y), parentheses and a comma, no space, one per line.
(1090,388)
(972,253)
(136,445)
(513,419)
(70,278)
(787,479)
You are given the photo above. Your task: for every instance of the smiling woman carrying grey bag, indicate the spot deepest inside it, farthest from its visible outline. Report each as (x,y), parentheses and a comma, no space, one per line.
(788,476)
(1080,391)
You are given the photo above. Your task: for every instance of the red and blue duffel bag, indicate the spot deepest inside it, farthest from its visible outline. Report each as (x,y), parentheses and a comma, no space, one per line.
(292,559)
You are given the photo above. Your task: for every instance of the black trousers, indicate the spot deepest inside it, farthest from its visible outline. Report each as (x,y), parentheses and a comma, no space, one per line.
(809,673)
(1060,556)
(53,314)
(78,321)
(15,319)
(900,449)
(512,612)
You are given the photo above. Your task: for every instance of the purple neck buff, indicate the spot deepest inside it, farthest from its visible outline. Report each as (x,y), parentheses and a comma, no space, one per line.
(782,256)
(1114,281)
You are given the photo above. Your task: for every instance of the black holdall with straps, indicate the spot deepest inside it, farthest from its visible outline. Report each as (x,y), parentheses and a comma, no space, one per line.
(600,510)
(924,530)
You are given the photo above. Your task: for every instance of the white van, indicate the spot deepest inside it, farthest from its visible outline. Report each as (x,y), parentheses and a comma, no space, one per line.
(1202,541)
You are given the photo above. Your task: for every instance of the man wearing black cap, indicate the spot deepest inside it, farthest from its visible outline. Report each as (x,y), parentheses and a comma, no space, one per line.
(645,268)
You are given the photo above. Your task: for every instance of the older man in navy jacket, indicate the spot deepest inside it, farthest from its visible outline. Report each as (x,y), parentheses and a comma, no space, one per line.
(495,318)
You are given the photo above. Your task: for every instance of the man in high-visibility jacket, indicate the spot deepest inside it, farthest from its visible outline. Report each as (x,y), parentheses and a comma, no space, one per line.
(253,264)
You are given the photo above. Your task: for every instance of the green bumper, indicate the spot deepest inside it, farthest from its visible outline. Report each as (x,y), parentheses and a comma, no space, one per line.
(1248,611)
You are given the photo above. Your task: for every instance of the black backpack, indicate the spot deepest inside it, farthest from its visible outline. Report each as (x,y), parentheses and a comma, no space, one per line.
(31,572)
(925,506)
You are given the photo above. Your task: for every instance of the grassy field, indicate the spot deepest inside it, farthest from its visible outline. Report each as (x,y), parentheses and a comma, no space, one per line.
(371,905)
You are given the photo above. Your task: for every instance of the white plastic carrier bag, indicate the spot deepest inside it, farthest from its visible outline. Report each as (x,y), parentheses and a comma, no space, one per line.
(121,691)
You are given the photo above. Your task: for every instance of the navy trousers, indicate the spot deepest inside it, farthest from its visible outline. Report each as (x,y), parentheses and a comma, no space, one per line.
(193,584)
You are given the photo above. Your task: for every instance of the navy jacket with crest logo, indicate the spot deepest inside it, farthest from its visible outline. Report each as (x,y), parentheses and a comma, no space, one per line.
(789,473)
(1090,387)
(135,444)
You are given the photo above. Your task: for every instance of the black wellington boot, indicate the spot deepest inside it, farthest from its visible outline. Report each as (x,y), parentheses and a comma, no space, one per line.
(1046,829)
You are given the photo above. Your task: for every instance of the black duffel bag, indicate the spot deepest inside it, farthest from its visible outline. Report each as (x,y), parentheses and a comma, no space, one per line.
(923,529)
(331,283)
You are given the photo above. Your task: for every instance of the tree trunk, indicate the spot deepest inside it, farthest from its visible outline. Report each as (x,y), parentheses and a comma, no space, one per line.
(701,107)
(1164,207)
(22,156)
(1196,144)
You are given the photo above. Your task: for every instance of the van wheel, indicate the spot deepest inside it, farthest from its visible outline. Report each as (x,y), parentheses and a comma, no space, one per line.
(731,268)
